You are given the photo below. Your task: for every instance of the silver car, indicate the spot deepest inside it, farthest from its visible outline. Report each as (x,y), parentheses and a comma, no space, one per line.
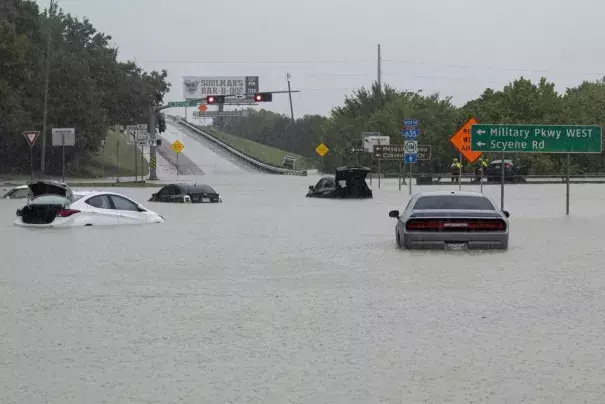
(451,220)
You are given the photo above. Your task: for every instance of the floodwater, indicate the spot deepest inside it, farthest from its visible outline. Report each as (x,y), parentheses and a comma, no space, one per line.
(271,297)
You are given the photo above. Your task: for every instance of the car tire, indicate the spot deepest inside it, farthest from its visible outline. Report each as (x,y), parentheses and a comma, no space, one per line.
(400,243)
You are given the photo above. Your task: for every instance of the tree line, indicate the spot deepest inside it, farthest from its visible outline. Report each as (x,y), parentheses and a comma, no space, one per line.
(377,109)
(89,89)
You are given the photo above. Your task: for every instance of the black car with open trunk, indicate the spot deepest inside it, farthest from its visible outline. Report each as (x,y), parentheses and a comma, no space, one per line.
(348,182)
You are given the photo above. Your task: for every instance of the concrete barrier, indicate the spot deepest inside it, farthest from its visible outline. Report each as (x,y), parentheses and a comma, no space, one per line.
(253,162)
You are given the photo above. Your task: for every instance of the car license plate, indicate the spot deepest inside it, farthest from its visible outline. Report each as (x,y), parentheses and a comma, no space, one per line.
(205,199)
(456,246)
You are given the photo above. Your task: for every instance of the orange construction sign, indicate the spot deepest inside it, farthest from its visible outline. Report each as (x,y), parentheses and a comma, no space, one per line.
(461,140)
(202,108)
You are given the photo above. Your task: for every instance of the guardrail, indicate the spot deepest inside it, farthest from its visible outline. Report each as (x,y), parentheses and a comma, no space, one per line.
(253,162)
(447,178)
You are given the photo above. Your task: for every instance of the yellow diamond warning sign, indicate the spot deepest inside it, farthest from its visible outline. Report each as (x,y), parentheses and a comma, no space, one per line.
(322,150)
(177,147)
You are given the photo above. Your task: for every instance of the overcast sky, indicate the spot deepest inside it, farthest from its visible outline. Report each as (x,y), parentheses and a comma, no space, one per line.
(454,47)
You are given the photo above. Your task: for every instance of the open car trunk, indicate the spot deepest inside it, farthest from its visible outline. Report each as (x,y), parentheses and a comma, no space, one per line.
(50,188)
(354,181)
(49,200)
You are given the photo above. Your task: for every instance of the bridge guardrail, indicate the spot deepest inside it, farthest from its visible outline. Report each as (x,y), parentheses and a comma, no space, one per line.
(260,165)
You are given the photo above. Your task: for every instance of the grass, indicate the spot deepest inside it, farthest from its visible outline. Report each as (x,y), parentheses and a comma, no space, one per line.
(117,151)
(263,153)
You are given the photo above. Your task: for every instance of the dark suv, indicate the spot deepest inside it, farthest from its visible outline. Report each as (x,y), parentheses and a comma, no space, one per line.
(512,172)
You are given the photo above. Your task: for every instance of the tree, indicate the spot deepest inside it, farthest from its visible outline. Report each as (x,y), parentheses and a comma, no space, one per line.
(88,88)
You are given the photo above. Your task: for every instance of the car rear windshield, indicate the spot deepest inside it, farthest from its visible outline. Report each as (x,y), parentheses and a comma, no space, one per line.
(464,202)
(50,200)
(200,189)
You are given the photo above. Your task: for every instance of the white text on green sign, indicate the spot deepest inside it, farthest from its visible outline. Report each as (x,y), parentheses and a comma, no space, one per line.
(536,138)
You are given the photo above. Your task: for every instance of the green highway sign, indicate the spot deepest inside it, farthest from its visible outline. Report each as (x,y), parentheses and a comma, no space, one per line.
(190,103)
(536,138)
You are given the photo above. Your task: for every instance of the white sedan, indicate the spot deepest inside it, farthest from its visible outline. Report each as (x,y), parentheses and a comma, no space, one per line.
(84,208)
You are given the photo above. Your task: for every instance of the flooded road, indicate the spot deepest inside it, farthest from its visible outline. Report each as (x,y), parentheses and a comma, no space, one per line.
(271,297)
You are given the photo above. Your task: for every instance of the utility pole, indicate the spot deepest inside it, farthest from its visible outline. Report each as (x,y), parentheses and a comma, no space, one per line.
(46,81)
(288,77)
(379,78)
(153,176)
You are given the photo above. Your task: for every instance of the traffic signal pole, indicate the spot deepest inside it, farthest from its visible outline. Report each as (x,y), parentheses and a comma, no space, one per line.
(153,176)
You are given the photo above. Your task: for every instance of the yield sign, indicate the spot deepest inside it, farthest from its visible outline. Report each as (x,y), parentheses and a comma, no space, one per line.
(31,136)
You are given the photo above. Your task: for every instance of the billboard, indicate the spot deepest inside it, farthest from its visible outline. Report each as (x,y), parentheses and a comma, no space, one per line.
(202,86)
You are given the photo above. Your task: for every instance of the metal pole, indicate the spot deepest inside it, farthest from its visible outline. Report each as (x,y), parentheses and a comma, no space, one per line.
(481,177)
(567,184)
(118,161)
(177,164)
(290,95)
(379,78)
(153,149)
(31,162)
(63,155)
(103,158)
(136,171)
(411,178)
(460,174)
(502,182)
(378,173)
(400,173)
(46,82)
(142,162)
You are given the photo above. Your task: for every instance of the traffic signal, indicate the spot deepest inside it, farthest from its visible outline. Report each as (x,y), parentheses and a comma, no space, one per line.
(263,97)
(161,123)
(215,99)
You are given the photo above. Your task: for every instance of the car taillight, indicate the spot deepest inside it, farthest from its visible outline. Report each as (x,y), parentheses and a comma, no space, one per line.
(487,225)
(456,225)
(67,212)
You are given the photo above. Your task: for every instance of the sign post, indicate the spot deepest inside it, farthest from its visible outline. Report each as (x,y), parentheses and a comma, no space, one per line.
(577,139)
(31,136)
(461,140)
(177,147)
(103,157)
(63,137)
(137,135)
(410,132)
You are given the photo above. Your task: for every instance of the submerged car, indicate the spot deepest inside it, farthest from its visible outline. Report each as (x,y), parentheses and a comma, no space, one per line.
(186,193)
(349,182)
(451,221)
(512,172)
(19,192)
(56,205)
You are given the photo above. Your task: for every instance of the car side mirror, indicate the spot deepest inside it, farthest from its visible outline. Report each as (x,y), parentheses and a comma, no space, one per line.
(394,213)
(506,213)
(311,187)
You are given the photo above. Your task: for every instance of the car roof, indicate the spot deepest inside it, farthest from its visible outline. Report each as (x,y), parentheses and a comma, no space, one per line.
(450,193)
(95,193)
(21,187)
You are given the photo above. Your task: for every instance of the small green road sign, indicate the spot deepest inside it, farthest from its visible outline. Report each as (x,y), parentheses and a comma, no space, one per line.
(189,103)
(536,138)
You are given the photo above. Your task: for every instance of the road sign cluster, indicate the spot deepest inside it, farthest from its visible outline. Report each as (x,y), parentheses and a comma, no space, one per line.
(410,132)
(398,152)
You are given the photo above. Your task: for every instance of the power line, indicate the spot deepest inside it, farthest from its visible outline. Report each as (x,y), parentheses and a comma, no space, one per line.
(257,62)
(505,69)
(358,61)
